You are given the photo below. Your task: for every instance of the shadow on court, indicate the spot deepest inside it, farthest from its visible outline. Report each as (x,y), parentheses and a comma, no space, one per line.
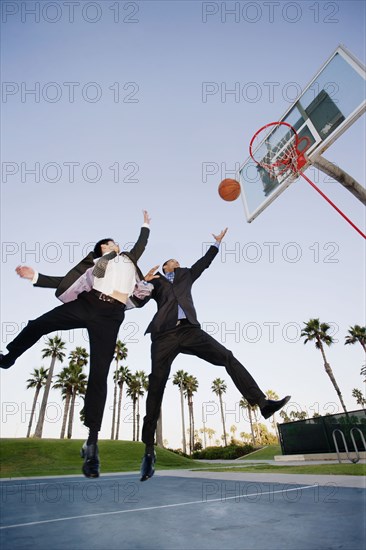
(180,511)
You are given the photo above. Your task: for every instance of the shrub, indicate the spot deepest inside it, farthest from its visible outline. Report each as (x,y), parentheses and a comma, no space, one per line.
(231,452)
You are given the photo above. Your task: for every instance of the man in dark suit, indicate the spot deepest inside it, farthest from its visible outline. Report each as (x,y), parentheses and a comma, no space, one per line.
(175,329)
(95,296)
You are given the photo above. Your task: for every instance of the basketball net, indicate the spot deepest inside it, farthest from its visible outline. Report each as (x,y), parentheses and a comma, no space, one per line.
(277,148)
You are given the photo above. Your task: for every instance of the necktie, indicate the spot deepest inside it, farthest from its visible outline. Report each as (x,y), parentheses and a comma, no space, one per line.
(101,265)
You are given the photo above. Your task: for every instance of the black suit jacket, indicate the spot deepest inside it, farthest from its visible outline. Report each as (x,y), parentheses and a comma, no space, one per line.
(62,284)
(168,295)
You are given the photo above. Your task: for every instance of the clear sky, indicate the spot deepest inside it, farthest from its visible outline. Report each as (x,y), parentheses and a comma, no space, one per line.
(104,113)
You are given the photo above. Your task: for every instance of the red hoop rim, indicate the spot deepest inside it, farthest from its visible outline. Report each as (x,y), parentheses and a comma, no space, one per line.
(298,154)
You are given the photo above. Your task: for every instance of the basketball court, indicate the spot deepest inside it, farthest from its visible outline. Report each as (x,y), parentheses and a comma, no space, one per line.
(184,509)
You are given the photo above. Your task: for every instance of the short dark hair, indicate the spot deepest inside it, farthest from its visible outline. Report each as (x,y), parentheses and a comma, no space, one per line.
(166,263)
(98,247)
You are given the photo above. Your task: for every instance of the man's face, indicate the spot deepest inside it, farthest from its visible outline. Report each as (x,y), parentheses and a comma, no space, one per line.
(170,265)
(111,246)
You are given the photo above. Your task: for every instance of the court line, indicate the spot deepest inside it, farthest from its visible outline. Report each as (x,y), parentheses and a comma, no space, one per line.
(148,508)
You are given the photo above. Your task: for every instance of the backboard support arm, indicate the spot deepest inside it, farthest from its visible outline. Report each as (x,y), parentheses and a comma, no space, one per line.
(341,176)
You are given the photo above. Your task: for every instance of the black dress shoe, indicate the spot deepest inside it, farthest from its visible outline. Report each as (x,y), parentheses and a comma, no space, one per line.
(91,466)
(147,466)
(6,361)
(270,406)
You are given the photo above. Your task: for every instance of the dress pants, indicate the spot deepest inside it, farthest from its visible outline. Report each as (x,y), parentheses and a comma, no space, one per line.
(102,321)
(191,340)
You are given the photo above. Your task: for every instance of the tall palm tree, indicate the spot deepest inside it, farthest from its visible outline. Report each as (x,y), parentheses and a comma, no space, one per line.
(179,380)
(191,386)
(123,375)
(133,391)
(270,394)
(357,334)
(218,388)
(38,380)
(63,383)
(78,382)
(120,354)
(144,383)
(55,350)
(314,330)
(245,405)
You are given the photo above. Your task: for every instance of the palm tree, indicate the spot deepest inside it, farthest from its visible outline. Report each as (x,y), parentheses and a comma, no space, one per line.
(63,383)
(270,394)
(219,387)
(314,330)
(133,391)
(358,395)
(190,387)
(245,405)
(54,349)
(120,354)
(233,430)
(179,379)
(210,432)
(72,382)
(123,375)
(78,382)
(357,334)
(144,383)
(39,377)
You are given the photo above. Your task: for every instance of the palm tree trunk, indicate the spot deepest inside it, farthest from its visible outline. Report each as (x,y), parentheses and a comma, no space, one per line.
(159,430)
(192,414)
(119,411)
(329,372)
(66,411)
(223,419)
(138,420)
(114,400)
(184,442)
(134,420)
(251,424)
(42,412)
(33,409)
(71,415)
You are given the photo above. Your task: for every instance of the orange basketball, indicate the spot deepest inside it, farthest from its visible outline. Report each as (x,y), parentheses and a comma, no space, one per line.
(229,189)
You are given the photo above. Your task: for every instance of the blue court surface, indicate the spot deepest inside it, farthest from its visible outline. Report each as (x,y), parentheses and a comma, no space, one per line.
(198,510)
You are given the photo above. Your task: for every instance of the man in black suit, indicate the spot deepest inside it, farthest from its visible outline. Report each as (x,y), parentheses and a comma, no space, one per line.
(175,329)
(95,296)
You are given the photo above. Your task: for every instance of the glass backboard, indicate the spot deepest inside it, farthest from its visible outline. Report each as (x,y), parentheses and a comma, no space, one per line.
(331,103)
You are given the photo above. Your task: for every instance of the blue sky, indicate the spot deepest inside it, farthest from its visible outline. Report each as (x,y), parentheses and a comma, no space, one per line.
(118,123)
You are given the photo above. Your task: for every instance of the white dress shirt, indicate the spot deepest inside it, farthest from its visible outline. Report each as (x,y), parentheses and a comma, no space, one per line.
(120,276)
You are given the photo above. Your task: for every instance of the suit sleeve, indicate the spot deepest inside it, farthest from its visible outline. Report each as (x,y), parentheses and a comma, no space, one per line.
(203,263)
(48,281)
(140,245)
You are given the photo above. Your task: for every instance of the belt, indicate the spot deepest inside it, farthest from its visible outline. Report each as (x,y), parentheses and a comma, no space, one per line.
(105,297)
(181,322)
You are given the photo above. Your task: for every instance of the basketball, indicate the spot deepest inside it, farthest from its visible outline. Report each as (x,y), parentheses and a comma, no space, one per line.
(229,189)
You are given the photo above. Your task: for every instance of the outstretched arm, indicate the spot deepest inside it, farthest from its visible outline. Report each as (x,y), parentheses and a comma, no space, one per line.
(204,262)
(140,245)
(46,281)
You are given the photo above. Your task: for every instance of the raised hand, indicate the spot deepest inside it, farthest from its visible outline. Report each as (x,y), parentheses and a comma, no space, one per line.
(147,218)
(150,275)
(220,236)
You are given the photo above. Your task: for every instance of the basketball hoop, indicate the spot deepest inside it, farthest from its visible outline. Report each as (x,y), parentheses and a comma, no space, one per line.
(278,149)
